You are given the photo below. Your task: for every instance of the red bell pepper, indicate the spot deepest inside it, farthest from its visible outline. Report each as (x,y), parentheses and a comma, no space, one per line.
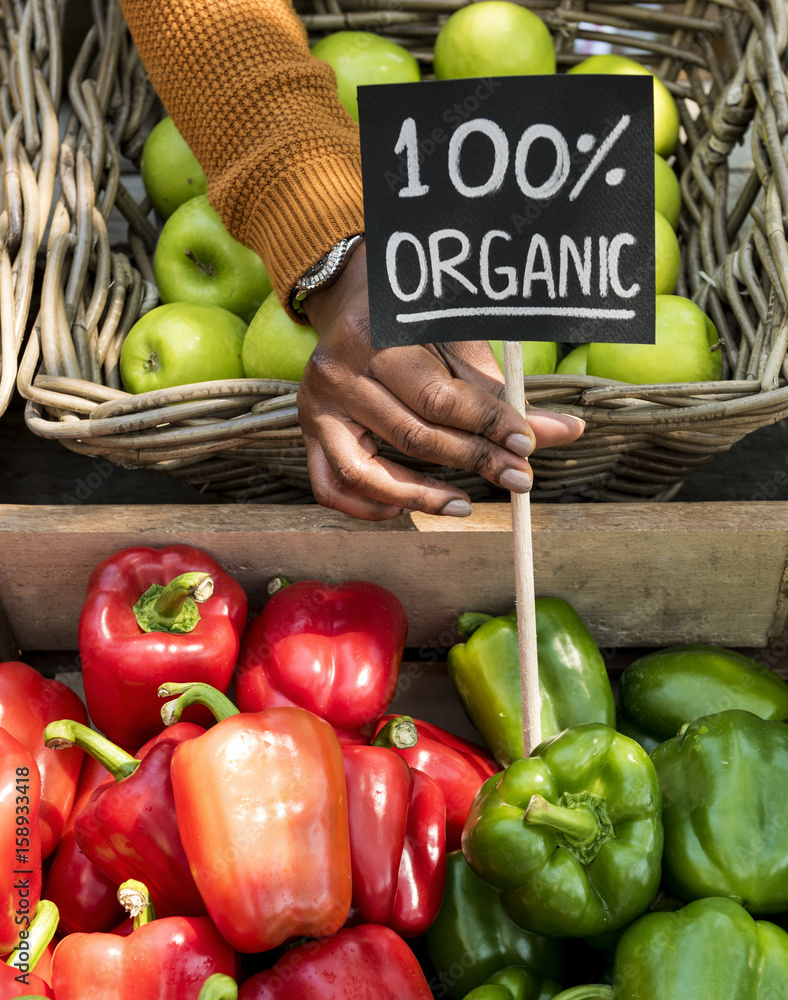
(334,650)
(397,819)
(127,828)
(261,807)
(86,899)
(17,978)
(161,959)
(20,841)
(28,701)
(368,962)
(140,626)
(457,765)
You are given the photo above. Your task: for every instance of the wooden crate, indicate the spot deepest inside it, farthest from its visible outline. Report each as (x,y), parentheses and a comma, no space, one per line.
(640,575)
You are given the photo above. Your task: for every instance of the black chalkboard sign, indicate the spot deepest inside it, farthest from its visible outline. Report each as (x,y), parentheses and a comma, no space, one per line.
(512,208)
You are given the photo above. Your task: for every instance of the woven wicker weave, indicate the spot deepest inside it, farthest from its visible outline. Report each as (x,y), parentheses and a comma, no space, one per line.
(241,439)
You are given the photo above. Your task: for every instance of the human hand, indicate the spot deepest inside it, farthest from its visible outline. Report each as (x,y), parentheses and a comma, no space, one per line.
(441,403)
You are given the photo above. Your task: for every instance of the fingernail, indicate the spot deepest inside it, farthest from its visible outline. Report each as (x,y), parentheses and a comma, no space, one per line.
(520,444)
(516,481)
(457,508)
(573,423)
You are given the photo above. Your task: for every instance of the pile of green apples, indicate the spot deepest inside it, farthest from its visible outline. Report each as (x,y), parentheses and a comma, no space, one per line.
(219,318)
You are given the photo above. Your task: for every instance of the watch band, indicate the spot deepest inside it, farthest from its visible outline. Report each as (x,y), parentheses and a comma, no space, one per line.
(325,271)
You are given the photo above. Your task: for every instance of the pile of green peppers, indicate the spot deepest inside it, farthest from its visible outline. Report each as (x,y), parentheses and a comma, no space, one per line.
(637,853)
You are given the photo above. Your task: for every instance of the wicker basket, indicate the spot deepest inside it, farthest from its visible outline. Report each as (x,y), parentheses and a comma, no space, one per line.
(724,63)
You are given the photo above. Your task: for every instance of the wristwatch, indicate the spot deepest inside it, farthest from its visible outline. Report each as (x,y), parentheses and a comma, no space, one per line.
(325,272)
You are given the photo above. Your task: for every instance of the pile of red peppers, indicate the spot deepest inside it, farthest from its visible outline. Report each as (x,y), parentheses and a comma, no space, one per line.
(165,840)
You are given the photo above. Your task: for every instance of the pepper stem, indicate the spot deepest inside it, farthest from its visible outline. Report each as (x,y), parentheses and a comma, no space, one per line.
(194,693)
(66,733)
(580,819)
(578,824)
(469,621)
(219,987)
(399,733)
(276,584)
(173,608)
(593,991)
(134,897)
(40,932)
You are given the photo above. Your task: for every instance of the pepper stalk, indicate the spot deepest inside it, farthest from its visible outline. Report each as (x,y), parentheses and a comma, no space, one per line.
(40,932)
(219,987)
(194,694)
(173,608)
(66,733)
(134,897)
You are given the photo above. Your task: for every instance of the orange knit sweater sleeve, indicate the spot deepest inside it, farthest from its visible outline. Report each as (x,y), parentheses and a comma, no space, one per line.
(262,116)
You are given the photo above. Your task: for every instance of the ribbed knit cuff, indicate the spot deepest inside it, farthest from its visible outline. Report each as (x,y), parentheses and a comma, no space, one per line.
(301,216)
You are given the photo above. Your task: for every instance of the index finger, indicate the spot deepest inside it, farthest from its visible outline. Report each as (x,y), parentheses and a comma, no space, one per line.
(423,383)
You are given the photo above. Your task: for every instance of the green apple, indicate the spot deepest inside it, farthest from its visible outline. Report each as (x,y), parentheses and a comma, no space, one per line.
(276,346)
(362,57)
(575,362)
(666,114)
(539,356)
(196,260)
(683,351)
(667,191)
(493,38)
(179,343)
(667,255)
(170,172)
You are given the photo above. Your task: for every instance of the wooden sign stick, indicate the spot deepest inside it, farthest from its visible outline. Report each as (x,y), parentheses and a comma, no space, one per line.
(523,567)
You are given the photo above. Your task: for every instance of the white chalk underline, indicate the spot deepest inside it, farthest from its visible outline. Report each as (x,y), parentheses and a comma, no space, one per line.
(575,313)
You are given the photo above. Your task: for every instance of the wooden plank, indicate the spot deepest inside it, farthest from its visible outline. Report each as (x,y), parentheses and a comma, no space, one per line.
(639,574)
(9,647)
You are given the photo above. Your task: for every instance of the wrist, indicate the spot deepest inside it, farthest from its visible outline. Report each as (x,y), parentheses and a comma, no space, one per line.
(325,272)
(347,295)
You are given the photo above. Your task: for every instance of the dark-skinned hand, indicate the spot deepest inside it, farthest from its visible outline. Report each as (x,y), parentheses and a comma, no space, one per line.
(442,403)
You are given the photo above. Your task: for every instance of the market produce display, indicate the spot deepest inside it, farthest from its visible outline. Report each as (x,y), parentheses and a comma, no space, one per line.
(248,817)
(306,837)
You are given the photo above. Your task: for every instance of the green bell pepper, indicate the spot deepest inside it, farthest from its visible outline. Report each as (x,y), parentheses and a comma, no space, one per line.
(573,680)
(663,690)
(514,983)
(472,937)
(711,949)
(724,786)
(572,835)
